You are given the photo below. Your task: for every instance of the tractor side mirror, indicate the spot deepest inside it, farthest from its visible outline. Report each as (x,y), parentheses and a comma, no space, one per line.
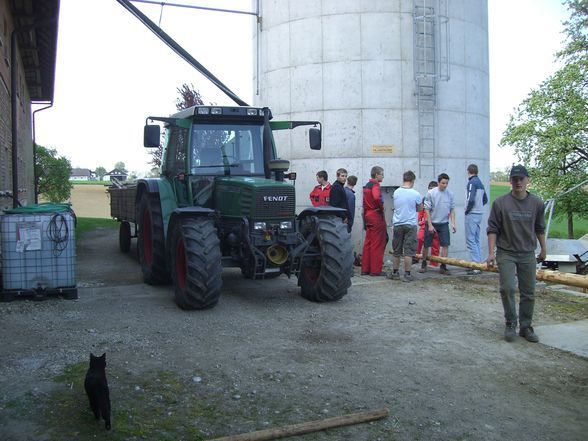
(151,135)
(314,137)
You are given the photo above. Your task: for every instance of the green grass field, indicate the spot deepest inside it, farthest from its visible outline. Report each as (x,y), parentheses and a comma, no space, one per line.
(85,224)
(559,228)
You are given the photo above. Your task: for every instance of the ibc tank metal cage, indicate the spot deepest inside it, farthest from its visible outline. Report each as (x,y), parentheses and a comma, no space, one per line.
(38,252)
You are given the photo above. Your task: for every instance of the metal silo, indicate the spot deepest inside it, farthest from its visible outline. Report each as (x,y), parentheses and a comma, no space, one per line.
(397,83)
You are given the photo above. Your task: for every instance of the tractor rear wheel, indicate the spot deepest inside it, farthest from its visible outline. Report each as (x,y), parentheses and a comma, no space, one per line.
(151,242)
(196,263)
(326,275)
(124,236)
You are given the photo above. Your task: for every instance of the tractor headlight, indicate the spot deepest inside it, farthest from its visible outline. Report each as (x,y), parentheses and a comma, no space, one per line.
(259,226)
(203,110)
(252,112)
(216,111)
(286,225)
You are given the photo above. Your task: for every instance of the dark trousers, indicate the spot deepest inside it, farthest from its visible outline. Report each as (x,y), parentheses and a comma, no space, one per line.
(521,266)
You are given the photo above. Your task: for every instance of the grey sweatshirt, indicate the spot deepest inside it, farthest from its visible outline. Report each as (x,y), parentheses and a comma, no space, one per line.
(517,222)
(440,204)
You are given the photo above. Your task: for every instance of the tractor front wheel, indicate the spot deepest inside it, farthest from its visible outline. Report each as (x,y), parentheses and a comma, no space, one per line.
(196,263)
(325,272)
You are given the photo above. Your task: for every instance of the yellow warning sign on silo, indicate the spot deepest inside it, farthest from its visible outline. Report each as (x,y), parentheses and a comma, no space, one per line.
(383,148)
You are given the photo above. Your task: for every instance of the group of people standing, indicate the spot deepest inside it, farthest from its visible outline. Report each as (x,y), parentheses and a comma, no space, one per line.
(436,220)
(340,194)
(515,224)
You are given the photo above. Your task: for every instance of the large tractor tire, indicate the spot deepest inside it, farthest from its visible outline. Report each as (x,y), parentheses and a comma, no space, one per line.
(196,263)
(325,277)
(151,241)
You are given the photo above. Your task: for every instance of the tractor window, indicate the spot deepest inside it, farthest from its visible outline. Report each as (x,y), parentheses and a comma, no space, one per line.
(220,149)
(176,151)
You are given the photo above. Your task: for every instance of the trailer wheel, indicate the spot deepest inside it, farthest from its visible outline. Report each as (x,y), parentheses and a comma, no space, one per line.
(196,263)
(325,271)
(124,236)
(151,242)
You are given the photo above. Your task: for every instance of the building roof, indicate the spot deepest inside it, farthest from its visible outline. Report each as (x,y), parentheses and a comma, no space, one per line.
(117,172)
(37,42)
(81,172)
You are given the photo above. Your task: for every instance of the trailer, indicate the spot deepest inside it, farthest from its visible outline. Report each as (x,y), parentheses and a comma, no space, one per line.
(122,209)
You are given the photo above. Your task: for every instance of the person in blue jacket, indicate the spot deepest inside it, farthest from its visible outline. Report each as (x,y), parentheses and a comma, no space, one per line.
(476,198)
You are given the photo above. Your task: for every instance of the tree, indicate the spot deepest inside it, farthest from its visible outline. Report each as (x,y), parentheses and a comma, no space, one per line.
(53,174)
(577,43)
(500,175)
(100,172)
(549,130)
(188,97)
(120,166)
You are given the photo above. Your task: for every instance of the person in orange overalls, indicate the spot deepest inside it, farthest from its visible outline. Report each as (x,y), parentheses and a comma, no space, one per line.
(375,225)
(319,196)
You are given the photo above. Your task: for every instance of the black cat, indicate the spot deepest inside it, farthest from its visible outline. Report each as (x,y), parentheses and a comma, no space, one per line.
(97,388)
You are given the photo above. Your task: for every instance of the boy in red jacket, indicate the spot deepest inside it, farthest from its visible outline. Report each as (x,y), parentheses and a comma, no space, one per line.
(319,195)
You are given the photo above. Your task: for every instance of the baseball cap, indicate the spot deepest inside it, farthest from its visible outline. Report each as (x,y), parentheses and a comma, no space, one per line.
(519,171)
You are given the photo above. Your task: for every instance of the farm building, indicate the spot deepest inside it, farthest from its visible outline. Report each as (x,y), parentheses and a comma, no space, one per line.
(82,174)
(119,175)
(28,43)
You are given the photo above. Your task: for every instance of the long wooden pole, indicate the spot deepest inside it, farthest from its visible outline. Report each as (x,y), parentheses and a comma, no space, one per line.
(308,427)
(543,275)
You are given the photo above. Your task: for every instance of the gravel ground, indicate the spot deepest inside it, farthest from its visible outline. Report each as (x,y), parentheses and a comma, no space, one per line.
(430,351)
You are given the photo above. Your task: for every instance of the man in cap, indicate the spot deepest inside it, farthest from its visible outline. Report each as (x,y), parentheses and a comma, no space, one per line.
(515,225)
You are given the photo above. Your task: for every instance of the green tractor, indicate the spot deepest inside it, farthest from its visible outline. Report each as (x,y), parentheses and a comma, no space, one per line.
(222,201)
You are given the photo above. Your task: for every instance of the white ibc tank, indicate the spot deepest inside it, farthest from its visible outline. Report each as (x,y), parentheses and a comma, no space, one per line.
(38,250)
(398,83)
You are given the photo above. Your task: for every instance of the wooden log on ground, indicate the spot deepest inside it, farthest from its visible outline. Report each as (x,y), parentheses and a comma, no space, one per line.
(308,427)
(460,262)
(568,279)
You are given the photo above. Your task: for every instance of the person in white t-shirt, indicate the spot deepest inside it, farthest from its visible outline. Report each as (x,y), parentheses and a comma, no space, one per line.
(407,202)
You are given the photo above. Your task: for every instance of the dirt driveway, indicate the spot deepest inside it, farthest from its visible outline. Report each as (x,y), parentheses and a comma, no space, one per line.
(430,351)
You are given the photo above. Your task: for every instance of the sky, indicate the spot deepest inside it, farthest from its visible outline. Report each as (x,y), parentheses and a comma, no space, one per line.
(112,72)
(524,36)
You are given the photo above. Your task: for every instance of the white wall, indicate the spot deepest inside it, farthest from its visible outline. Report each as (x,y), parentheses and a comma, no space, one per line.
(349,64)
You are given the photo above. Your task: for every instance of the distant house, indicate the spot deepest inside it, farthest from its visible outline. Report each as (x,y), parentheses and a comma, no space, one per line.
(81,174)
(119,175)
